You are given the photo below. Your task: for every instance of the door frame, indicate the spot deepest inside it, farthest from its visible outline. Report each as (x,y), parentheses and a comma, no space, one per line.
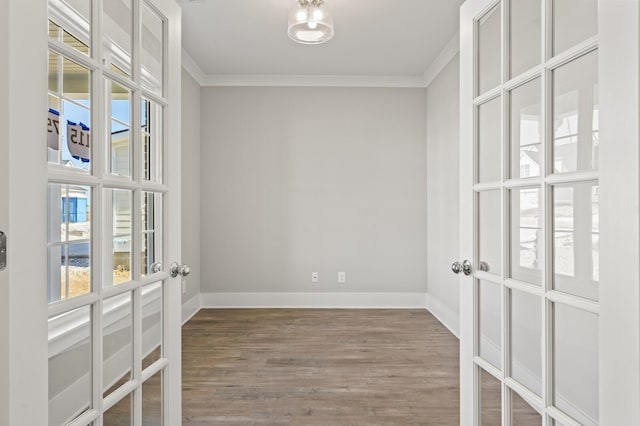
(619,181)
(23,170)
(172,229)
(23,293)
(619,68)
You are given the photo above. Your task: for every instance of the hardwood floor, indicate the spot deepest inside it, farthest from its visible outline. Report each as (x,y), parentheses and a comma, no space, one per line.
(319,367)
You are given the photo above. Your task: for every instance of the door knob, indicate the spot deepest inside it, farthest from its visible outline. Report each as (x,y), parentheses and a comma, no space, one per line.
(156,267)
(177,269)
(484,266)
(464,267)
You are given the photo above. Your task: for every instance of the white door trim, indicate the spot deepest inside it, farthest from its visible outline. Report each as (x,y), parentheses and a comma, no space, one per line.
(619,67)
(23,325)
(469,10)
(172,226)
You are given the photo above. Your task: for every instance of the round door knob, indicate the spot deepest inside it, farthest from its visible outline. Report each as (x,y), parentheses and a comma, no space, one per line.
(466,267)
(156,267)
(456,267)
(184,270)
(177,269)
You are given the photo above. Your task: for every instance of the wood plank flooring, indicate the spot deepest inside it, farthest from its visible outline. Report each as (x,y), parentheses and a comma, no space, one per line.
(319,367)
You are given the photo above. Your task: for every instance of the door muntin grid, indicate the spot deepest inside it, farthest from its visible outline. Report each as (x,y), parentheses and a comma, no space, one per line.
(526,180)
(105,339)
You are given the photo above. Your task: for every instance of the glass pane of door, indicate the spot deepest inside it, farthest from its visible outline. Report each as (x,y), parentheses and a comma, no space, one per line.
(490,323)
(526,35)
(526,232)
(152,54)
(574,21)
(575,355)
(119,125)
(70,379)
(489,232)
(490,399)
(69,218)
(490,45)
(526,339)
(69,116)
(523,414)
(575,115)
(120,202)
(117,22)
(489,141)
(70,23)
(117,352)
(525,130)
(152,119)
(151,232)
(576,236)
(120,414)
(151,324)
(152,401)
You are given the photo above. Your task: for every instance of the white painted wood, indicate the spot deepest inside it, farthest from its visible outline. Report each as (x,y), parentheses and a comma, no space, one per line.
(23,311)
(191,307)
(315,300)
(619,68)
(172,345)
(468,12)
(5,390)
(443,313)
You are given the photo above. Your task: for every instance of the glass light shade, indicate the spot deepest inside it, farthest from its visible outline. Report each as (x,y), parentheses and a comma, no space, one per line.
(310,22)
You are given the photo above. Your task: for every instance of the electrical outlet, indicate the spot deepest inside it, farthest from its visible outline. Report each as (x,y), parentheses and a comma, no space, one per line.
(315,277)
(342,277)
(184,285)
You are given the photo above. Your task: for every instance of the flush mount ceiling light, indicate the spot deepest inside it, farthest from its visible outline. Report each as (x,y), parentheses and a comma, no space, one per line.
(310,22)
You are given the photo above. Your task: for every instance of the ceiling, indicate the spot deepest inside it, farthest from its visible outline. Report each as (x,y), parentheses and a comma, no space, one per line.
(372,37)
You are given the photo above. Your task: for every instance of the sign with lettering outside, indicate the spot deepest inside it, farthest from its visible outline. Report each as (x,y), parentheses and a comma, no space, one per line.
(53,129)
(78,141)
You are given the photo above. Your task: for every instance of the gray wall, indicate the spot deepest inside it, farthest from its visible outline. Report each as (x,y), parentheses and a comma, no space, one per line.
(297,180)
(442,189)
(191,183)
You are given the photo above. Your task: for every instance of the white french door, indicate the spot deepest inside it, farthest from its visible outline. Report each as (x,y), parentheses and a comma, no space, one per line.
(533,309)
(88,335)
(113,151)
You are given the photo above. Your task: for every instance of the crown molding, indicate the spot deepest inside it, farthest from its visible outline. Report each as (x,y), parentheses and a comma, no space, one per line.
(313,81)
(280,80)
(445,56)
(192,68)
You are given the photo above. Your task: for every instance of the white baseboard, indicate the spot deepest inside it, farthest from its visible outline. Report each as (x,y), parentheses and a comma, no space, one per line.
(447,316)
(191,307)
(314,300)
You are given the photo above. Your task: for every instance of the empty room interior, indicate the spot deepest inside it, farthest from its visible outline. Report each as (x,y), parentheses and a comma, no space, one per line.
(320,212)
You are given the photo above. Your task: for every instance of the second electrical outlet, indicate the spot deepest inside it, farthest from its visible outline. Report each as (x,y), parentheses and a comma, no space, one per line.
(342,277)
